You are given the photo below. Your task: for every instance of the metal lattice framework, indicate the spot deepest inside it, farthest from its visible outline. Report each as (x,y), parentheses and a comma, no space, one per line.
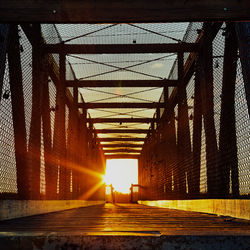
(173,95)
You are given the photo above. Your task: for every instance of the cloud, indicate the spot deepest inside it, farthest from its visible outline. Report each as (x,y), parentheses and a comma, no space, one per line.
(157,65)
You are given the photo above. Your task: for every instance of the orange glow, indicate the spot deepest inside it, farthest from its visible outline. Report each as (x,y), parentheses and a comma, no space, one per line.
(91,191)
(121,173)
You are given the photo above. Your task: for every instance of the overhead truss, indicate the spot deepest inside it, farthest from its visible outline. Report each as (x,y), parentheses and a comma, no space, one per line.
(115,11)
(121,83)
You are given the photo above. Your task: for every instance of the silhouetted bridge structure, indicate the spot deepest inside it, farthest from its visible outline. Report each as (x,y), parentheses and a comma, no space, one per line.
(84,82)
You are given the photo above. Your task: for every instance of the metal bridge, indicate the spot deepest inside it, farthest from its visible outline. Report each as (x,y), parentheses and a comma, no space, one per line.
(167,84)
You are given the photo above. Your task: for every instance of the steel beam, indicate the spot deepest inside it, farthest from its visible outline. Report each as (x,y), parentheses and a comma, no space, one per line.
(115,11)
(120,120)
(121,83)
(114,139)
(197,132)
(190,66)
(122,145)
(183,132)
(205,64)
(121,151)
(120,105)
(121,131)
(228,163)
(34,147)
(120,48)
(50,165)
(4,30)
(122,156)
(18,114)
(243,34)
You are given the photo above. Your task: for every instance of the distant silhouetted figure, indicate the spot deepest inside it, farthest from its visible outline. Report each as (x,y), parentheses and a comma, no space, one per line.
(112,194)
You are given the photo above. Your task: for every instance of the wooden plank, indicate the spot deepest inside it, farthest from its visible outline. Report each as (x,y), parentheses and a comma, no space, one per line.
(119,105)
(120,120)
(105,223)
(119,48)
(121,131)
(17,101)
(243,34)
(116,11)
(121,83)
(227,139)
(121,139)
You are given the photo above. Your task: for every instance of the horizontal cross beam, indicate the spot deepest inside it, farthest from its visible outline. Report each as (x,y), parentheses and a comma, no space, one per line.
(119,105)
(122,145)
(114,139)
(122,151)
(121,83)
(122,156)
(121,131)
(120,48)
(121,11)
(121,120)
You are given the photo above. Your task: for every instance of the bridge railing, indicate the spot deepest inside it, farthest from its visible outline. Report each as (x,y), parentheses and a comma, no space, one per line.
(200,148)
(46,149)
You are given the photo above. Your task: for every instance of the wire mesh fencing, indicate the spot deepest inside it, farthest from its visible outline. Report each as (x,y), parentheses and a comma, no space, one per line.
(43,150)
(48,151)
(165,174)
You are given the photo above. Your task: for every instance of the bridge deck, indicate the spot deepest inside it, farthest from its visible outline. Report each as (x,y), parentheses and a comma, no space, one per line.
(128,219)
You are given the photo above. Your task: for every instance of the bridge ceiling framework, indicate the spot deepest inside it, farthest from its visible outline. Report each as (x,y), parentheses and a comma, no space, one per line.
(175,96)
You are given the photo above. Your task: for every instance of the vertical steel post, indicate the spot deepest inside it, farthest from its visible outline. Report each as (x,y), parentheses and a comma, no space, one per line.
(35,127)
(182,129)
(50,164)
(227,141)
(17,98)
(197,128)
(63,185)
(4,32)
(206,83)
(243,34)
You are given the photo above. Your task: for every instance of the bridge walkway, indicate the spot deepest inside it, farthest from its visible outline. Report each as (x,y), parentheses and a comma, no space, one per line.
(128,219)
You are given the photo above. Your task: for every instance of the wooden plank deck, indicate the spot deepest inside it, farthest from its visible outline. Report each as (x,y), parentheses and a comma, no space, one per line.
(128,219)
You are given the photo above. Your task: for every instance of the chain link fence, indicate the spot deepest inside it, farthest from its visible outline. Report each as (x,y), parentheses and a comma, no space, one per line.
(158,171)
(58,175)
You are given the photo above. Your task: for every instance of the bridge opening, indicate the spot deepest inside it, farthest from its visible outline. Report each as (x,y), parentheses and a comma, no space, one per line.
(120,175)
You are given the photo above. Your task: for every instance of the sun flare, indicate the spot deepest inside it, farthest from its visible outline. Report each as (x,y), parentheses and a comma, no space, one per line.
(121,173)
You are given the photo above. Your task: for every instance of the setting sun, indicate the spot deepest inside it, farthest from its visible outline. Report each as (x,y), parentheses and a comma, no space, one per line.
(121,173)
